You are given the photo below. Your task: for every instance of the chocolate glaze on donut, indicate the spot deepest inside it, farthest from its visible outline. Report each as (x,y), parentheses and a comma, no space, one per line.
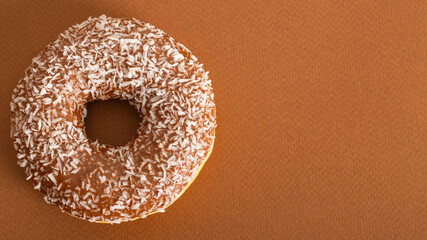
(113,58)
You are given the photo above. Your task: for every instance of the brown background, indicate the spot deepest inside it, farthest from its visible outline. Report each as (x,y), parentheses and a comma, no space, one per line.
(321,119)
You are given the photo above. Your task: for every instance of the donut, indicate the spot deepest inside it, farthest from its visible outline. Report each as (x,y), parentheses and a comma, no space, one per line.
(113,58)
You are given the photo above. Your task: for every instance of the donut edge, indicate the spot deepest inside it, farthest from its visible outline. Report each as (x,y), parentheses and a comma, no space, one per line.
(179,195)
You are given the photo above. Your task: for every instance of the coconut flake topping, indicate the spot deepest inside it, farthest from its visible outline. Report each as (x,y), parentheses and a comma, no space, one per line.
(113,58)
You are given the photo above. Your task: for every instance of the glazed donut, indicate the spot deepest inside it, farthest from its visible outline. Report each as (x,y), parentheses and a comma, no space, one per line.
(113,58)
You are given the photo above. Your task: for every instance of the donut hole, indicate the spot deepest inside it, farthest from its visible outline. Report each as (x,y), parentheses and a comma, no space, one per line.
(112,122)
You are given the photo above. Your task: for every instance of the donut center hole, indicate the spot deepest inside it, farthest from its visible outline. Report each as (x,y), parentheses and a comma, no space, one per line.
(111,122)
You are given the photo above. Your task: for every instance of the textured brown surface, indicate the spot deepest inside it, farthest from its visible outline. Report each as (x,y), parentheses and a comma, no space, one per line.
(321,120)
